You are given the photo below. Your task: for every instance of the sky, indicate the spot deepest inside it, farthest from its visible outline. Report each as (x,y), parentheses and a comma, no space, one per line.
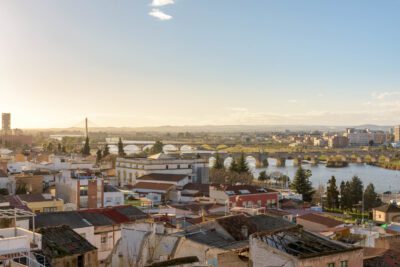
(199,62)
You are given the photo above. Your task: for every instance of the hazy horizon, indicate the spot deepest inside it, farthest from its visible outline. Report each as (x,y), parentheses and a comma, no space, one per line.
(143,63)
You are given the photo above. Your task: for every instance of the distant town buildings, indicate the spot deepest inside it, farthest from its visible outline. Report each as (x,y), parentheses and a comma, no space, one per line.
(396,132)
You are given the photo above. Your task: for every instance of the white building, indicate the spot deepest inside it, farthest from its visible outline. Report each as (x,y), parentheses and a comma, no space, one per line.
(129,169)
(86,189)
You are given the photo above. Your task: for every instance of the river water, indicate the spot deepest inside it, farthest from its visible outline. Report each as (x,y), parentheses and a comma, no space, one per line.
(383,179)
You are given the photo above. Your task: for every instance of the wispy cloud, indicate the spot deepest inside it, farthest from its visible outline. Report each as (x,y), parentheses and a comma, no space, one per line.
(162,2)
(384,95)
(155,12)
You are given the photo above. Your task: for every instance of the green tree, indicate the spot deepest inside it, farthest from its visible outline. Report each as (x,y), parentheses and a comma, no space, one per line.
(219,164)
(157,147)
(234,166)
(356,190)
(106,151)
(371,198)
(242,166)
(302,184)
(332,194)
(121,151)
(21,189)
(346,202)
(263,176)
(86,147)
(99,155)
(50,147)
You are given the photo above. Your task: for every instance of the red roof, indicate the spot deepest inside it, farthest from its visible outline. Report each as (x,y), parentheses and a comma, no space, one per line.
(320,219)
(110,213)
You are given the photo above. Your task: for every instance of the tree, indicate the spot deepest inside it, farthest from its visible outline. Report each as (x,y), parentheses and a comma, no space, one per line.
(356,190)
(332,194)
(242,166)
(99,155)
(263,176)
(106,151)
(302,184)
(121,151)
(86,147)
(59,148)
(371,198)
(157,147)
(50,147)
(222,176)
(21,189)
(219,164)
(348,199)
(234,166)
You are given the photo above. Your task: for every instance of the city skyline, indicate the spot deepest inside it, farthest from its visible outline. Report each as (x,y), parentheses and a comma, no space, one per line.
(199,63)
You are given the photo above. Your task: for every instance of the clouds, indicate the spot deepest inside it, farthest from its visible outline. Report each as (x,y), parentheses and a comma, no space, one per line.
(155,12)
(159,14)
(158,3)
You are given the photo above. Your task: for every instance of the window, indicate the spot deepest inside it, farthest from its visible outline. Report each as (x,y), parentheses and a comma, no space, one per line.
(259,203)
(49,209)
(331,264)
(166,167)
(179,166)
(103,239)
(343,264)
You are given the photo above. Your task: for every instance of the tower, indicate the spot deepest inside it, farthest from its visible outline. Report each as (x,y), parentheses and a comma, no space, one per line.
(86,127)
(5,126)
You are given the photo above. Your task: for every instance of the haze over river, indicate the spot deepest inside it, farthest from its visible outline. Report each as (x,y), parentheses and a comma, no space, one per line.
(383,179)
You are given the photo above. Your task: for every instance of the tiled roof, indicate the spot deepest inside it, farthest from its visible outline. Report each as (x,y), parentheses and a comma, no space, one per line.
(320,219)
(202,188)
(71,218)
(233,224)
(61,241)
(131,212)
(90,217)
(388,208)
(242,189)
(165,177)
(153,186)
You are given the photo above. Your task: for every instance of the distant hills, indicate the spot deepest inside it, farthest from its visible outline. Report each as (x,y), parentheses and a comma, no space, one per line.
(215,128)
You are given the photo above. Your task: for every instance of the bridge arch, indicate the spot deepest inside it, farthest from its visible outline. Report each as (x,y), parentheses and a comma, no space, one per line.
(186,148)
(170,148)
(147,147)
(131,149)
(228,161)
(251,161)
(113,149)
(211,161)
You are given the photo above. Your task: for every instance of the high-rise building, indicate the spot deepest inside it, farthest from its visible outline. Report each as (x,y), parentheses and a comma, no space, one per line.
(6,122)
(397,133)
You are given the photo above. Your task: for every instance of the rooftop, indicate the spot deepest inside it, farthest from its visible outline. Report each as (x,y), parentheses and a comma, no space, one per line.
(388,208)
(242,189)
(165,177)
(62,241)
(36,197)
(320,219)
(153,186)
(302,244)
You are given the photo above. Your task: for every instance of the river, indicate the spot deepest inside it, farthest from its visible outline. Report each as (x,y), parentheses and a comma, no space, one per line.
(383,179)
